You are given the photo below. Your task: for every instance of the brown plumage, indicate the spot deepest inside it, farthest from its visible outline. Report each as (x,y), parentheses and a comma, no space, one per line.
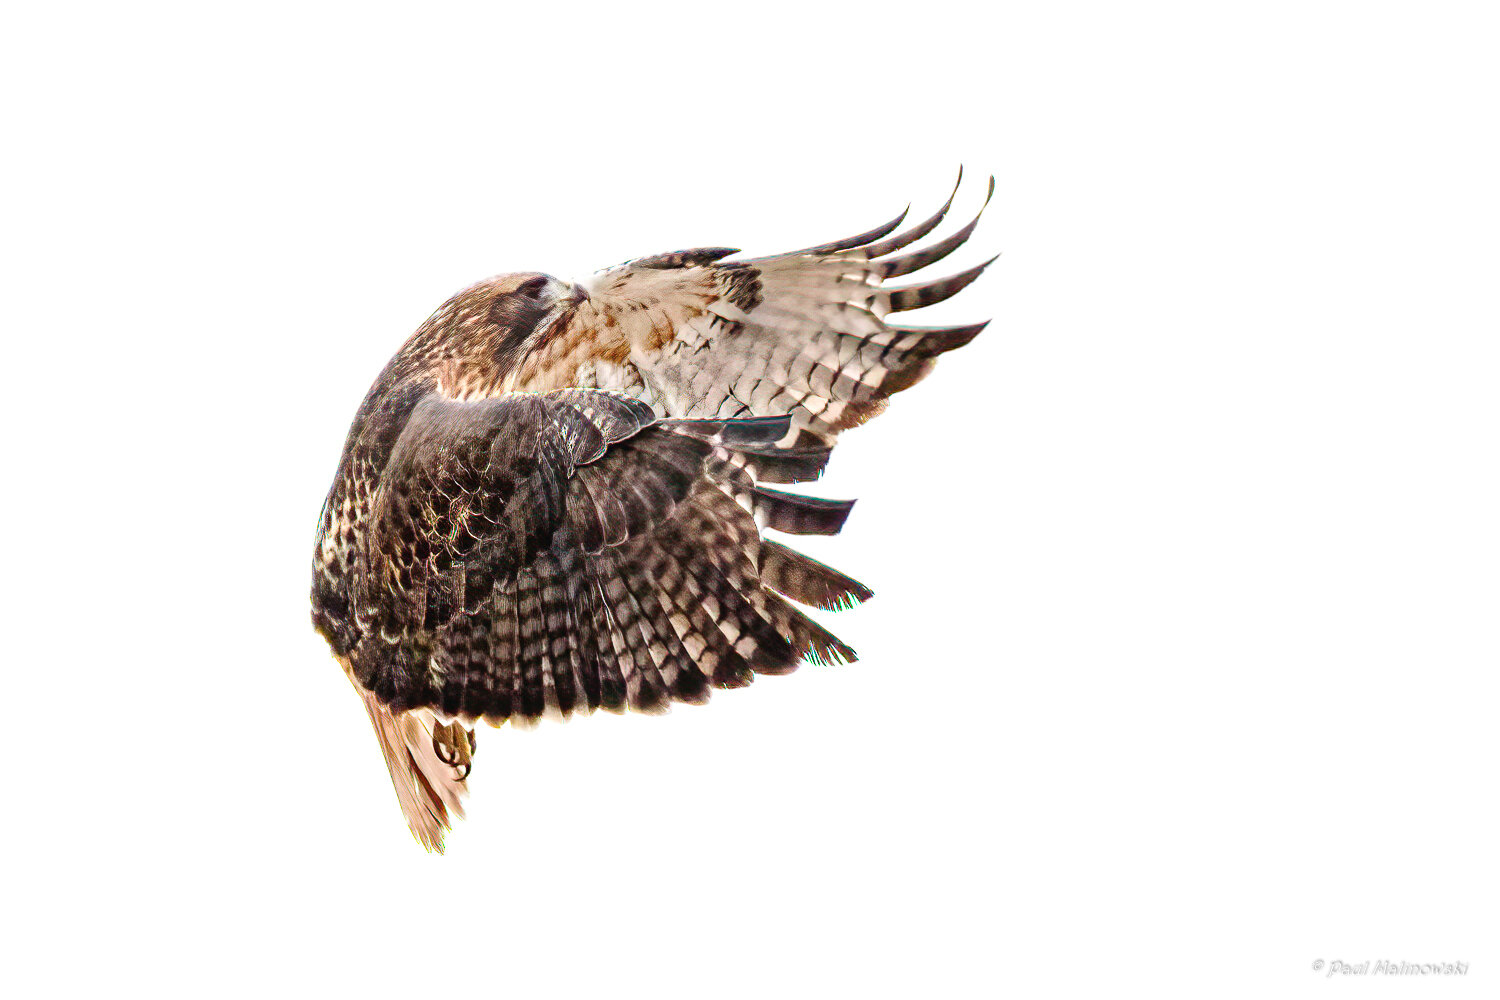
(552,499)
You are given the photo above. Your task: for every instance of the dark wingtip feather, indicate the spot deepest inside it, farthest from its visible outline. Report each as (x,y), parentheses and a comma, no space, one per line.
(918,296)
(898,266)
(937,339)
(858,241)
(918,231)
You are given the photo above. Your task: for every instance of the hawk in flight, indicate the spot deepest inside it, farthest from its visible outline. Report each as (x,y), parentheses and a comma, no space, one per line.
(553,498)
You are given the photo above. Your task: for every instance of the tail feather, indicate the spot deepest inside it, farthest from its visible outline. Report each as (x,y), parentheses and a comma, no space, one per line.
(430,792)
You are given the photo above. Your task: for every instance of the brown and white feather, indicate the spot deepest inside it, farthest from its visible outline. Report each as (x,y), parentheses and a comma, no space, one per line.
(554,497)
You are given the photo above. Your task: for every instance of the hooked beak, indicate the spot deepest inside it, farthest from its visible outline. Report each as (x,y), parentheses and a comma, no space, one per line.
(567,298)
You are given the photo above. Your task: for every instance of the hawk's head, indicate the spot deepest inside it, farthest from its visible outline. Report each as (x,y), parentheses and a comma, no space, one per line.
(475,339)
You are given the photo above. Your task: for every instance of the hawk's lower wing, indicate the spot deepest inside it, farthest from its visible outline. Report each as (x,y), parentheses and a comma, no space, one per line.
(803,334)
(536,554)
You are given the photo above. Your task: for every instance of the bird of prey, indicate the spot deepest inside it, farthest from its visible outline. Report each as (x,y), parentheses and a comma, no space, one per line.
(553,499)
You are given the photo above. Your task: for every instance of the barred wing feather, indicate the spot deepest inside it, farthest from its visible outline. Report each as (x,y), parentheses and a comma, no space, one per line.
(802,334)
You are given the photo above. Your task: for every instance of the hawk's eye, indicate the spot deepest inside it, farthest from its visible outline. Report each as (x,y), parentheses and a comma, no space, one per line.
(533,288)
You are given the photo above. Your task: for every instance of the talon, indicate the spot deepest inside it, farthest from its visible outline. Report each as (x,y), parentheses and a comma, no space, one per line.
(454,746)
(445,753)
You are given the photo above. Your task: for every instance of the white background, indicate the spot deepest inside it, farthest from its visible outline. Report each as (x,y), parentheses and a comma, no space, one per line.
(1181,673)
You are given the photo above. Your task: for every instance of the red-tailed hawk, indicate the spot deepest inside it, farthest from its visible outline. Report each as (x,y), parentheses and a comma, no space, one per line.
(552,499)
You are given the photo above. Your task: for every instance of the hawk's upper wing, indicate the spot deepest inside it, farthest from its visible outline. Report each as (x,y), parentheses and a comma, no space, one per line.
(570,550)
(802,333)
